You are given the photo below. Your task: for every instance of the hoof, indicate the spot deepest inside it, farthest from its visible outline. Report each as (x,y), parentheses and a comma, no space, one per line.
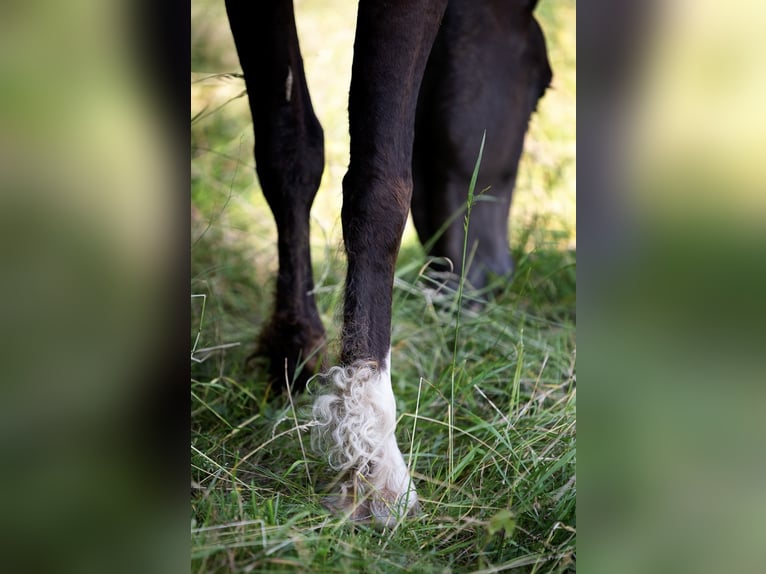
(380,508)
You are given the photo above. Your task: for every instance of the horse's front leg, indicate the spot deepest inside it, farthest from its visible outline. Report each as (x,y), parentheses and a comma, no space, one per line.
(357,414)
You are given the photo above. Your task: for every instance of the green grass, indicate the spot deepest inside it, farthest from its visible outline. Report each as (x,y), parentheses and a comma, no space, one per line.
(493,459)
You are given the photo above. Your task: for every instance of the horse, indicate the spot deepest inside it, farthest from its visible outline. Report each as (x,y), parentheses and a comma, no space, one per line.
(428,78)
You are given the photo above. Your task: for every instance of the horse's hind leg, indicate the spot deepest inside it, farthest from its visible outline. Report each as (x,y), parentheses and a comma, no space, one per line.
(289,157)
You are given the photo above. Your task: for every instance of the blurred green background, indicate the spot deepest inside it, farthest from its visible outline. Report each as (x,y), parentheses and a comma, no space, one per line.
(671,332)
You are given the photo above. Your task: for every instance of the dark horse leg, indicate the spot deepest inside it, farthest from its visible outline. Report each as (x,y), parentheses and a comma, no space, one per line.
(289,157)
(487,70)
(357,415)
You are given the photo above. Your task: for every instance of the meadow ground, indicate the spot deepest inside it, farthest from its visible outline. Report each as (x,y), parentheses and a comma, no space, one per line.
(498,484)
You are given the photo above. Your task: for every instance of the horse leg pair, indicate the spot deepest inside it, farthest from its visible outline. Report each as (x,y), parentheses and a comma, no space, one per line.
(356,412)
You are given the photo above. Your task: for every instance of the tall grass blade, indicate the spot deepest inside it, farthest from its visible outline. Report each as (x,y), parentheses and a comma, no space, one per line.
(461,284)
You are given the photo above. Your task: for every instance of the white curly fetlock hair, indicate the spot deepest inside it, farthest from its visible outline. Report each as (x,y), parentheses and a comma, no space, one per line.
(355,422)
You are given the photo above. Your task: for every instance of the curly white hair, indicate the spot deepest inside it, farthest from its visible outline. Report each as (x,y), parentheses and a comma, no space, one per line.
(355,422)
